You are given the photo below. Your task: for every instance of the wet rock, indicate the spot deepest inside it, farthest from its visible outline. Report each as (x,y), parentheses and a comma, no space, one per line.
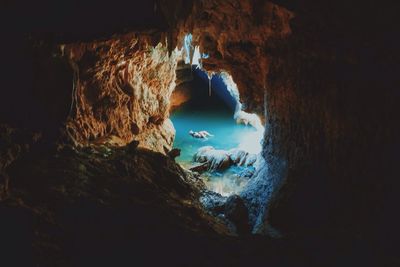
(216,159)
(250,160)
(247,172)
(238,156)
(213,202)
(236,211)
(242,158)
(199,167)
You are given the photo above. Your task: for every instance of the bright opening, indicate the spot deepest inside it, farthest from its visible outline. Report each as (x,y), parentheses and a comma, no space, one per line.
(216,137)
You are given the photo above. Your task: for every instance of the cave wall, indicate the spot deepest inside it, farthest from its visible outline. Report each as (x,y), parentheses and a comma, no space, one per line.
(320,74)
(122,90)
(242,38)
(323,81)
(237,36)
(331,105)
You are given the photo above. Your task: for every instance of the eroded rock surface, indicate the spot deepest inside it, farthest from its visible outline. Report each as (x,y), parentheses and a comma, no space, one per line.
(217,159)
(91,197)
(122,87)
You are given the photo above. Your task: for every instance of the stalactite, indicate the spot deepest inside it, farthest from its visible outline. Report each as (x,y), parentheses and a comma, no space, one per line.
(209,86)
(209,75)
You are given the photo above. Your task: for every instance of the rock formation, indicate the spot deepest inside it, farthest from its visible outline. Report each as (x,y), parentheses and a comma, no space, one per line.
(323,77)
(216,159)
(122,88)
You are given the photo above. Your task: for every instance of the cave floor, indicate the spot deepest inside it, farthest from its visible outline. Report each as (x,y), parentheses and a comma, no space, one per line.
(112,207)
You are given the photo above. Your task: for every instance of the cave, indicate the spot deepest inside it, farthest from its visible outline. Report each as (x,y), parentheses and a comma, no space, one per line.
(199,133)
(229,152)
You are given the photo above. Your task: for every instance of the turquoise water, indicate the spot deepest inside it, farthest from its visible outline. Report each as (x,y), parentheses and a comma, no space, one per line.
(218,120)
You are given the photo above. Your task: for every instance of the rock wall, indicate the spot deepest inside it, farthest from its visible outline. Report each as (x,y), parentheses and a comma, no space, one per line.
(122,90)
(321,76)
(238,36)
(323,82)
(243,38)
(330,108)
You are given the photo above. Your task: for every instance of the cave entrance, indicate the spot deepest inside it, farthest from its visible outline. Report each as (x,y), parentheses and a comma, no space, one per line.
(227,159)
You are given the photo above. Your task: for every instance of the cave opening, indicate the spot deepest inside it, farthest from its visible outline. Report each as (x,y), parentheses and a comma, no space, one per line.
(227,155)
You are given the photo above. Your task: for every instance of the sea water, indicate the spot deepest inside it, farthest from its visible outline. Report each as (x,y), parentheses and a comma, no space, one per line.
(217,119)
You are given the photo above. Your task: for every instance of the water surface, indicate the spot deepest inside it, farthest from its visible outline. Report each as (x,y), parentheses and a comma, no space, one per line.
(216,118)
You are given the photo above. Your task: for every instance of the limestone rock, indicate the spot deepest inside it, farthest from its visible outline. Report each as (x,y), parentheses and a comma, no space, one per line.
(122,87)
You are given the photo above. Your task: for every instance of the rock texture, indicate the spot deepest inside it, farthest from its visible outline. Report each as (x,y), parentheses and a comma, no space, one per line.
(238,36)
(322,75)
(236,211)
(62,203)
(122,88)
(323,80)
(216,159)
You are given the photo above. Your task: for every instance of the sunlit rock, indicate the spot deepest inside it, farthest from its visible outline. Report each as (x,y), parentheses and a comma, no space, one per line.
(242,158)
(248,119)
(122,87)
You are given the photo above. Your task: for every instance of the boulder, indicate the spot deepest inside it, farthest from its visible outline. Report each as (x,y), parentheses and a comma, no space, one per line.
(241,158)
(216,159)
(237,156)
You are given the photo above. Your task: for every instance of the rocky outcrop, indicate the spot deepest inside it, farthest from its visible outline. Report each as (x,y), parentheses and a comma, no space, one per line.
(91,197)
(216,159)
(122,88)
